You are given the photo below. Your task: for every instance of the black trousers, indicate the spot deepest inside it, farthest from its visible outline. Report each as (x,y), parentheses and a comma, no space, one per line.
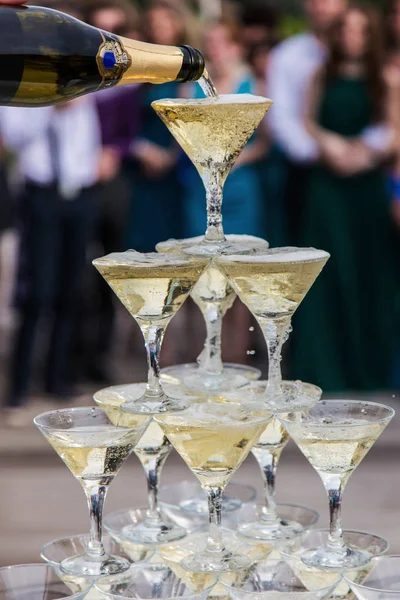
(97,315)
(54,237)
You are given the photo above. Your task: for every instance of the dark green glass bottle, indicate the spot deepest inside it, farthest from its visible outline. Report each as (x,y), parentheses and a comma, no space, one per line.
(48,57)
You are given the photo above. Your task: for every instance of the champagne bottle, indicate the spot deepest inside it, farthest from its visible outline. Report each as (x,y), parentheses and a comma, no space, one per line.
(48,57)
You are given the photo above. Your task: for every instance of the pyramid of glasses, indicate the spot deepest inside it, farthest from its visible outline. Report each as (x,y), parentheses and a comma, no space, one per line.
(213,414)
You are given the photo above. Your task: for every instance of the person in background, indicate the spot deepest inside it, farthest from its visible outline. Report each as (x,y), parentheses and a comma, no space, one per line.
(259,28)
(155,212)
(292,66)
(392,36)
(117,16)
(8,241)
(58,153)
(346,330)
(119,114)
(271,169)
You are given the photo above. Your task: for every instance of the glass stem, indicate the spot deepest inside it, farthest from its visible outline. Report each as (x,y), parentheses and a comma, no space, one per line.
(268,462)
(214,193)
(211,360)
(152,467)
(276,332)
(214,497)
(334,485)
(153,338)
(96,495)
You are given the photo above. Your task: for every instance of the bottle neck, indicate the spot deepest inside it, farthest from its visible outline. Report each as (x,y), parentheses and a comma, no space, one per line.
(152,63)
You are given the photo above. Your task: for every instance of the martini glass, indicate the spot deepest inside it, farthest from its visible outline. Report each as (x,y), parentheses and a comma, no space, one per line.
(34,582)
(299,396)
(94,449)
(291,552)
(155,580)
(272,285)
(152,450)
(381,583)
(214,439)
(273,580)
(335,436)
(213,132)
(214,296)
(152,287)
(56,551)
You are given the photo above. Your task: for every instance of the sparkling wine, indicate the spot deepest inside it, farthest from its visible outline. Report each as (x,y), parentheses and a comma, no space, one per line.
(214,438)
(273,435)
(152,442)
(151,286)
(337,450)
(213,131)
(272,285)
(93,453)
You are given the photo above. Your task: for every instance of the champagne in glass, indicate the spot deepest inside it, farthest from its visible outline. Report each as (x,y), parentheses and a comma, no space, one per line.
(94,449)
(213,132)
(214,439)
(272,285)
(152,287)
(335,436)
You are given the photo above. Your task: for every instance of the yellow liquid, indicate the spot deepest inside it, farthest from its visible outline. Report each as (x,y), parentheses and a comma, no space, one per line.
(213,439)
(94,452)
(273,285)
(212,288)
(151,286)
(213,131)
(273,435)
(336,450)
(153,441)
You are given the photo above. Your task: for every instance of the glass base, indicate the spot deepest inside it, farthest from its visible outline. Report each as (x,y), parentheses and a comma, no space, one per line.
(212,562)
(293,396)
(192,378)
(153,532)
(153,405)
(230,244)
(276,530)
(343,559)
(86,566)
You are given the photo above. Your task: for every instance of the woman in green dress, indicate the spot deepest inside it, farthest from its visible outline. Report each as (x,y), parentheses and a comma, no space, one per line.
(346,331)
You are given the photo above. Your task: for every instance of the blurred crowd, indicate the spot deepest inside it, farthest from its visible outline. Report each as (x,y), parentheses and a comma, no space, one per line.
(103,174)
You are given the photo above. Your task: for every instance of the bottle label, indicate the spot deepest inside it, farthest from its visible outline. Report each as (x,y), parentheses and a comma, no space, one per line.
(112,59)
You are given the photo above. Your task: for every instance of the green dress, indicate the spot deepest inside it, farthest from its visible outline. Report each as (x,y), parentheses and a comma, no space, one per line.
(345,331)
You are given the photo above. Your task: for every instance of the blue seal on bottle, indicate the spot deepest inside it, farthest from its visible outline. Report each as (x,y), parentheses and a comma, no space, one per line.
(109,59)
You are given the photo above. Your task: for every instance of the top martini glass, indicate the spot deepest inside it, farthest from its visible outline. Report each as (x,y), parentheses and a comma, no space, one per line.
(152,287)
(213,132)
(272,285)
